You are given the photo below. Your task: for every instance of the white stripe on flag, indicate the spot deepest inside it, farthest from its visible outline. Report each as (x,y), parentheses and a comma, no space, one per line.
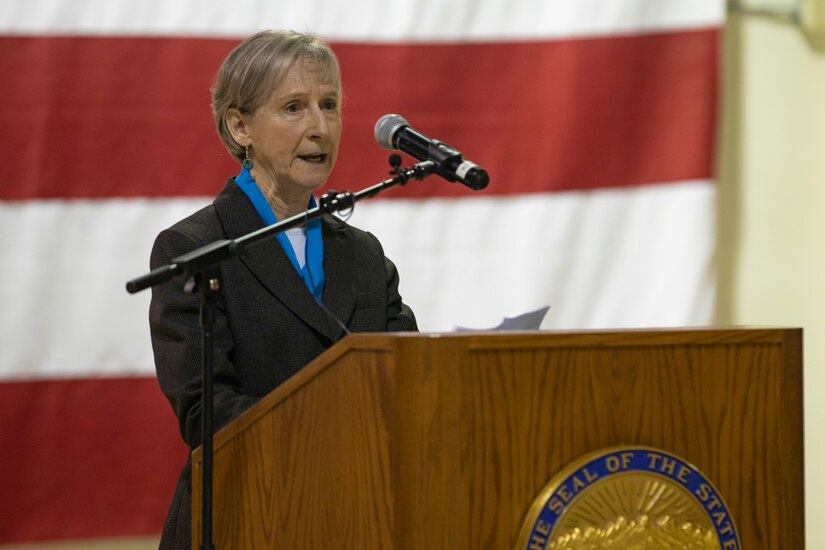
(638,257)
(66,310)
(361,20)
(610,258)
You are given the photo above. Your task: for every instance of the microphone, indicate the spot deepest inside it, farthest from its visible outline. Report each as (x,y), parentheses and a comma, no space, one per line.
(394,132)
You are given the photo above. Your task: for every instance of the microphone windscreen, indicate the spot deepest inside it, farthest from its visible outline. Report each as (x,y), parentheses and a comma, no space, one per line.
(386,127)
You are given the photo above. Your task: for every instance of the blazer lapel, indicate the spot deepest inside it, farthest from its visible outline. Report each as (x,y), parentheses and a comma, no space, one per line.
(268,262)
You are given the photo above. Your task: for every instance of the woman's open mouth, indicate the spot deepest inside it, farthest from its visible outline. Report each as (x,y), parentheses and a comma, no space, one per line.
(315,158)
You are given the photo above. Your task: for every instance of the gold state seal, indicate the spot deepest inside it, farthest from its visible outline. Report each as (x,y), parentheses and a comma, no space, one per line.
(634,498)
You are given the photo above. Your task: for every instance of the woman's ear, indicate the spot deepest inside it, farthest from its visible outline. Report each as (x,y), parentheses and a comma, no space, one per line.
(238,126)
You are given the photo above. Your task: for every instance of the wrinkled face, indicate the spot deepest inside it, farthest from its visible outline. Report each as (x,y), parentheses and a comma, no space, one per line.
(293,136)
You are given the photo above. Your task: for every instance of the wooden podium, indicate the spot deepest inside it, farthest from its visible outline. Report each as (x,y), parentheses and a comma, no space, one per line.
(444,441)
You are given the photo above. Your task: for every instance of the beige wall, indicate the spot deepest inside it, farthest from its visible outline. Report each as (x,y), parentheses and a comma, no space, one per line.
(772,208)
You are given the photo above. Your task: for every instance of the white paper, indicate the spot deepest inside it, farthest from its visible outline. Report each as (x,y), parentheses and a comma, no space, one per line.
(530,320)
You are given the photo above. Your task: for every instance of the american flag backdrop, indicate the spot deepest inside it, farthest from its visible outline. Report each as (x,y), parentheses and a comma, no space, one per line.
(596,120)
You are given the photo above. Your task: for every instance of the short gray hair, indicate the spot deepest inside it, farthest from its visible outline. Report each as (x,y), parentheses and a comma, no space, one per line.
(256,66)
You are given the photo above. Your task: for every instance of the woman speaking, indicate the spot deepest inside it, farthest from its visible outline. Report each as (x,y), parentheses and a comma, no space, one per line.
(277,107)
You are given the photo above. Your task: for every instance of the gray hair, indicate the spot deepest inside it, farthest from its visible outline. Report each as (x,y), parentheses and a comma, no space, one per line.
(256,66)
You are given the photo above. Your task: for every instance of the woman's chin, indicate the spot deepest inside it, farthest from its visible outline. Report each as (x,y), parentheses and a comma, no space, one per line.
(315,183)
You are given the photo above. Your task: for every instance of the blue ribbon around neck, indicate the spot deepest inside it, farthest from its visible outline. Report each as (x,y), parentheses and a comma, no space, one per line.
(313,271)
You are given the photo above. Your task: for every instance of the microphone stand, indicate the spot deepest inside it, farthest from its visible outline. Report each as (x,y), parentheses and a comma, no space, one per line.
(203,267)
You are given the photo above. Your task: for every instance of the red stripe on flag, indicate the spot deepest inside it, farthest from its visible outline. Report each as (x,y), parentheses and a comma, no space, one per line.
(104,117)
(86,458)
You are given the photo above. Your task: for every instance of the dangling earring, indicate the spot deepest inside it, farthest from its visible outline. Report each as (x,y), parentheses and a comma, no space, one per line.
(247,162)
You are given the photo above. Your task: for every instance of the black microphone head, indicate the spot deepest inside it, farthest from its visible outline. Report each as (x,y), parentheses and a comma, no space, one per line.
(386,127)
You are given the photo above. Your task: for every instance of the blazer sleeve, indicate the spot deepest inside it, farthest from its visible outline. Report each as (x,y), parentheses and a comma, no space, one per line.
(174,320)
(400,317)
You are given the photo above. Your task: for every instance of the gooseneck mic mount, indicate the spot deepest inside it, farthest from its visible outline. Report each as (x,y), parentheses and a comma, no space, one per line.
(204,277)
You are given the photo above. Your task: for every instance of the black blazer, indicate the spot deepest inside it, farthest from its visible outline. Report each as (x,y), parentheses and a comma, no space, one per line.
(268,324)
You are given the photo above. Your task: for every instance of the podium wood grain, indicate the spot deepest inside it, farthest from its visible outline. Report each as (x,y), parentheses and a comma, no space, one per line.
(443,441)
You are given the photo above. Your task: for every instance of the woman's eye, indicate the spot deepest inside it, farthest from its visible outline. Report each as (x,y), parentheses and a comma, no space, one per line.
(292,108)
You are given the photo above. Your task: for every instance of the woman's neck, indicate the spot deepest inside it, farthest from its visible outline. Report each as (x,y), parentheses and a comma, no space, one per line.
(283,204)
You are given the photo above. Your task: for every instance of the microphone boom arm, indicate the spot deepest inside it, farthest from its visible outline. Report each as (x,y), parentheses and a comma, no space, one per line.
(216,252)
